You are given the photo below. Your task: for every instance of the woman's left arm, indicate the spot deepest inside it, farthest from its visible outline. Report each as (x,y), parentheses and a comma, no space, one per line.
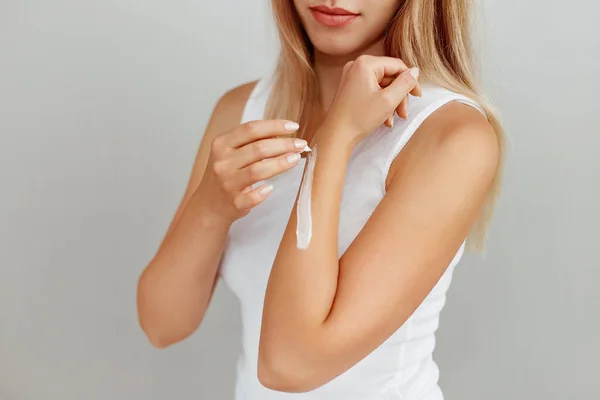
(323,315)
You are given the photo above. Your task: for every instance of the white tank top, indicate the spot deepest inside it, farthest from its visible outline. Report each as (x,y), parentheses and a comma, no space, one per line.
(402,367)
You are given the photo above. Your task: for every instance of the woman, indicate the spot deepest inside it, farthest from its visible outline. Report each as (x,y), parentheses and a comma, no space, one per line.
(353,315)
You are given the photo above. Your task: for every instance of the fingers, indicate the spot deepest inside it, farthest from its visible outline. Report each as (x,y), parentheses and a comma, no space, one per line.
(402,109)
(266,148)
(264,169)
(389,122)
(386,70)
(416,91)
(247,199)
(397,91)
(252,131)
(381,66)
(387,80)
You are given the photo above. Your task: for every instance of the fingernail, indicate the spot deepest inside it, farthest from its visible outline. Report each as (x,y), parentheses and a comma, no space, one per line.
(392,121)
(414,71)
(292,158)
(299,143)
(265,190)
(291,126)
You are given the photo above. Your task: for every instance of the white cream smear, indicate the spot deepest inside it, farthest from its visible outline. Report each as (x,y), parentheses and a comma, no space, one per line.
(303,211)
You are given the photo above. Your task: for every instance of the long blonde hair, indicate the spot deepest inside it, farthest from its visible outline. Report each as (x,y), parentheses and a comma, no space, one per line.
(431,34)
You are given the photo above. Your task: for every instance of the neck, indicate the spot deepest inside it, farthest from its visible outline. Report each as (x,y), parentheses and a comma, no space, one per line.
(328,69)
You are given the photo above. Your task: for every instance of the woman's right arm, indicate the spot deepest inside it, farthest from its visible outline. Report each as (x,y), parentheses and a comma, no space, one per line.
(177,285)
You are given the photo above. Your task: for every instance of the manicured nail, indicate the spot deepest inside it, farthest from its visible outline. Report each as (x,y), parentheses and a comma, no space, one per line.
(299,143)
(307,148)
(291,126)
(265,190)
(414,71)
(292,158)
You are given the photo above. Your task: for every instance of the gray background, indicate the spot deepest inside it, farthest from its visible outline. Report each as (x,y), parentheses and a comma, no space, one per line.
(102,106)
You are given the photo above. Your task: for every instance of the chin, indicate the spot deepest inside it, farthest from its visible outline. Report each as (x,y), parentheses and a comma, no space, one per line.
(350,28)
(336,45)
(347,41)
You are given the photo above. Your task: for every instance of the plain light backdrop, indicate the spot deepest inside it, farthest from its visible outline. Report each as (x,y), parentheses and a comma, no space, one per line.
(102,107)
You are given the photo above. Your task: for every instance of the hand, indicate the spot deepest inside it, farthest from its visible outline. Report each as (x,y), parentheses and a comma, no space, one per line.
(370,90)
(247,154)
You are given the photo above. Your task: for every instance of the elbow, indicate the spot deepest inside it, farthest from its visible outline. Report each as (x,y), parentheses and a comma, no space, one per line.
(157,342)
(163,332)
(156,336)
(157,330)
(281,379)
(283,374)
(160,338)
(157,339)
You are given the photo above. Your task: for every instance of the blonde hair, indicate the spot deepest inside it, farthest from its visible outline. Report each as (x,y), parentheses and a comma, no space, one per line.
(431,34)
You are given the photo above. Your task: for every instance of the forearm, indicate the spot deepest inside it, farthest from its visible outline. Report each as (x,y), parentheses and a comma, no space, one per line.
(176,287)
(303,283)
(319,319)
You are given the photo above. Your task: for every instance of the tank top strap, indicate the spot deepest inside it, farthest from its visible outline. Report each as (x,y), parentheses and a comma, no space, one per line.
(384,144)
(257,102)
(420,108)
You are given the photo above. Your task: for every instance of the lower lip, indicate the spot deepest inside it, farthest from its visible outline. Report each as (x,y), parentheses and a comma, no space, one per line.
(333,20)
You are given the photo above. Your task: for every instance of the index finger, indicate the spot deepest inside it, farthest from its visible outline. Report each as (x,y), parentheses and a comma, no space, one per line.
(401,86)
(383,66)
(252,131)
(386,81)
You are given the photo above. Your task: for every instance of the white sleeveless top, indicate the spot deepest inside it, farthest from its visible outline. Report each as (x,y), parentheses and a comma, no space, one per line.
(402,367)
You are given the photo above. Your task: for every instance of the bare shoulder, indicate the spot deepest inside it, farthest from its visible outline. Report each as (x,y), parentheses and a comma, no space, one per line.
(228,110)
(225,116)
(457,135)
(460,129)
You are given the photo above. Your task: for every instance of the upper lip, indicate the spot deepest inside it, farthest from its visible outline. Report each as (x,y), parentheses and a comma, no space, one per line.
(335,10)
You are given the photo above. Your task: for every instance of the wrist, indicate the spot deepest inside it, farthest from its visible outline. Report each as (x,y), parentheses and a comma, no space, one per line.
(336,133)
(209,217)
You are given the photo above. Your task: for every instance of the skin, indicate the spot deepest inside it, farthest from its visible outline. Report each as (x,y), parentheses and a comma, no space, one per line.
(323,315)
(177,285)
(334,47)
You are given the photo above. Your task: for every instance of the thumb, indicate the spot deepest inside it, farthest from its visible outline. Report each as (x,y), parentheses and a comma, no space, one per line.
(402,85)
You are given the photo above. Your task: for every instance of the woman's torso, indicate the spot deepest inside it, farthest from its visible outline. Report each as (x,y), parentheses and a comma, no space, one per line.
(402,367)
